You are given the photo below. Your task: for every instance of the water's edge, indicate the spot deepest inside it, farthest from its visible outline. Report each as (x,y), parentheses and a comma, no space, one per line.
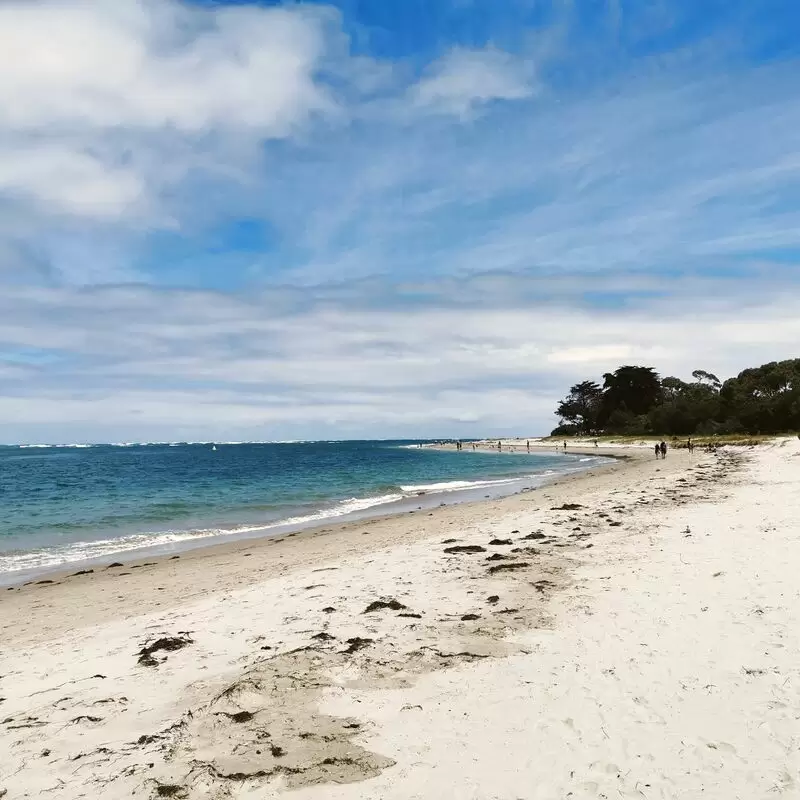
(418,498)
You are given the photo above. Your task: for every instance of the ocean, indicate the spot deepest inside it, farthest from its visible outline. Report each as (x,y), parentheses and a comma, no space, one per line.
(75,504)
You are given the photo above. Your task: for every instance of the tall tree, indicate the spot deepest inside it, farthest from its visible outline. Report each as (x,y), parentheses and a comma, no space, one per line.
(581,406)
(686,408)
(765,399)
(706,378)
(633,400)
(632,389)
(672,388)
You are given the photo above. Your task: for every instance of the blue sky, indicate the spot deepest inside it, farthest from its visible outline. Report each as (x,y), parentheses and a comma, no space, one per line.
(227,220)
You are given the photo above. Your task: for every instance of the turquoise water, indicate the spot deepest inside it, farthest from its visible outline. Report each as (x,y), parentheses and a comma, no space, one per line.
(76,503)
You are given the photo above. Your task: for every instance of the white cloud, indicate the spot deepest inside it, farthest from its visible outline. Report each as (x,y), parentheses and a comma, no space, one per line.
(139,363)
(69,181)
(150,64)
(463,79)
(591,354)
(110,102)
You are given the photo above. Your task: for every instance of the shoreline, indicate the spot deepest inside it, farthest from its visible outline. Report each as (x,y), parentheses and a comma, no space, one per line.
(433,652)
(496,487)
(319,541)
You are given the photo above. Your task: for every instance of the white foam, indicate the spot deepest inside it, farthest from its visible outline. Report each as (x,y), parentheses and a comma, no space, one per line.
(345,507)
(27,446)
(178,444)
(453,486)
(86,551)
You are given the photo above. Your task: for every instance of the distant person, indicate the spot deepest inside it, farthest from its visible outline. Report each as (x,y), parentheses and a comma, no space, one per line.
(499,446)
(528,445)
(663,448)
(565,445)
(658,449)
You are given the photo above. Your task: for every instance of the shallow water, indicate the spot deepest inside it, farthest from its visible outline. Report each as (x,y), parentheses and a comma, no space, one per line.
(75,503)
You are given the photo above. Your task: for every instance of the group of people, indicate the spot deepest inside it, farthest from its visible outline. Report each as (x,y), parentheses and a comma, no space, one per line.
(660,448)
(460,445)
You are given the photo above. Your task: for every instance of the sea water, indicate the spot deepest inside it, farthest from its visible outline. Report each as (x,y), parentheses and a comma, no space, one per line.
(71,504)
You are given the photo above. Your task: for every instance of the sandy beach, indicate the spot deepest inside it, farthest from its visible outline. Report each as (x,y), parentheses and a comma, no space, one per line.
(632,632)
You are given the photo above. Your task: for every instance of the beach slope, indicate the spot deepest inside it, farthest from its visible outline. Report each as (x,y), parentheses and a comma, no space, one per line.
(630,633)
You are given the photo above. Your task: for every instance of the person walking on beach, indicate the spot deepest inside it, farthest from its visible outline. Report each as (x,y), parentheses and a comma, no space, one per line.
(528,445)
(663,447)
(658,449)
(499,446)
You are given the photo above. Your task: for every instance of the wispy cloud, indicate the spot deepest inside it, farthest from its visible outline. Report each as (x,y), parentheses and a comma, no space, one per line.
(464,79)
(652,175)
(130,359)
(113,108)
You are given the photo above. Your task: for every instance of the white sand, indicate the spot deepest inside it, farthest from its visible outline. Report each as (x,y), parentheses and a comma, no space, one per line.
(655,658)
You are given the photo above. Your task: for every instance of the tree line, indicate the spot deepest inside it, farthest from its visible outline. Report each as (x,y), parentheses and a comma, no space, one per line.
(636,400)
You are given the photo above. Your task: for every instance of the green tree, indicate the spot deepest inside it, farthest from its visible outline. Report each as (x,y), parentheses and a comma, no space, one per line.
(634,400)
(632,389)
(706,378)
(687,407)
(672,388)
(764,399)
(580,408)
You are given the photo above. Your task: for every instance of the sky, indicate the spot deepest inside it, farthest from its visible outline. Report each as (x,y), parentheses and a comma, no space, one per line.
(385,218)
